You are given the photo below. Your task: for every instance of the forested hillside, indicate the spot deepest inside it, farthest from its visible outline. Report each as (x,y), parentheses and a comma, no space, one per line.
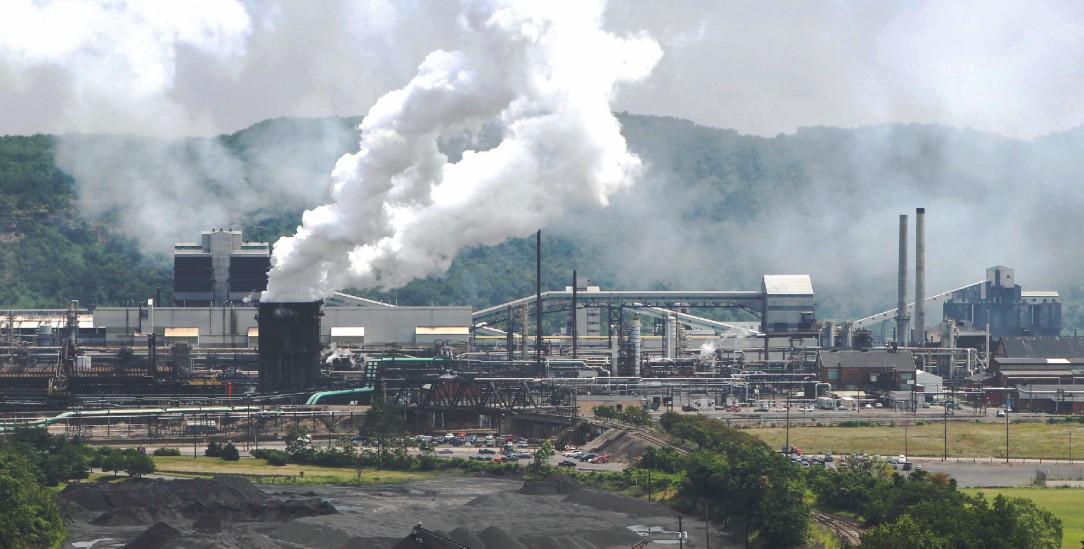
(713,210)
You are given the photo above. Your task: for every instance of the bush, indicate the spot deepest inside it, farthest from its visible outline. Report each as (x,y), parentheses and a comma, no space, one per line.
(229,452)
(167,452)
(273,457)
(214,449)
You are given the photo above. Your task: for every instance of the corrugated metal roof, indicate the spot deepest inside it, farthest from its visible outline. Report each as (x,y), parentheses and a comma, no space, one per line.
(1043,347)
(182,332)
(1009,372)
(348,331)
(442,330)
(1039,361)
(788,285)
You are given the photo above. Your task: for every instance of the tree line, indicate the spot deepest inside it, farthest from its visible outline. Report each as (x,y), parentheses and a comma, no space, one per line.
(745,485)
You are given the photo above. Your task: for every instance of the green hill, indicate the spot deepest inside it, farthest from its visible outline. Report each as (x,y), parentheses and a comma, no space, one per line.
(715,210)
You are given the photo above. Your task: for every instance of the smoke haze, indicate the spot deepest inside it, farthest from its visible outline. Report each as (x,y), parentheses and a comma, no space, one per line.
(1001,193)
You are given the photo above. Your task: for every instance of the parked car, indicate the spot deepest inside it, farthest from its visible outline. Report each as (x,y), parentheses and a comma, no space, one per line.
(601,459)
(689,408)
(567,463)
(588,457)
(486,451)
(573,453)
(1001,413)
(445,451)
(733,409)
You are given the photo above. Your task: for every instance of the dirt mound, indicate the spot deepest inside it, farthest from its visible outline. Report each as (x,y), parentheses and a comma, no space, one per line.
(466,537)
(555,484)
(622,446)
(495,537)
(155,537)
(608,501)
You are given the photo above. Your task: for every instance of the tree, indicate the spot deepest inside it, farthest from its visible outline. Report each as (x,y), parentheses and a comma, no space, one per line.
(29,515)
(384,419)
(136,463)
(540,467)
(902,533)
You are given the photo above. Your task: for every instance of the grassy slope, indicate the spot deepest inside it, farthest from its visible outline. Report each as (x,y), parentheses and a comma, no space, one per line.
(1066,503)
(970,440)
(259,470)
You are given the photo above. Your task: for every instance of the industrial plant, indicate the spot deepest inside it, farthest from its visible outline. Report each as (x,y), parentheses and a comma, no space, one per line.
(452,366)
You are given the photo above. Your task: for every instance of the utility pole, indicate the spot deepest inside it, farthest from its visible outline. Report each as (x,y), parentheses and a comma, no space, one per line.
(786,448)
(905,452)
(1006,437)
(945,406)
(707,526)
(681,533)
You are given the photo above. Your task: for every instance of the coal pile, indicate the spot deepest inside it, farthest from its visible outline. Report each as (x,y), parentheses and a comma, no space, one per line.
(184,512)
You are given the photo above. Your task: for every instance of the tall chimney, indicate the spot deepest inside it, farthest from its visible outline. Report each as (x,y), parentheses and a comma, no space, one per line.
(920,276)
(902,319)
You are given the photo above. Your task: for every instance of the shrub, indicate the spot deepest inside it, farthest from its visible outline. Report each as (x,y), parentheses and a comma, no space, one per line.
(229,452)
(167,452)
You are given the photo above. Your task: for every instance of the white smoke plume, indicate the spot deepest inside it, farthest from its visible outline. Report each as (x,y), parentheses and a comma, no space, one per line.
(544,73)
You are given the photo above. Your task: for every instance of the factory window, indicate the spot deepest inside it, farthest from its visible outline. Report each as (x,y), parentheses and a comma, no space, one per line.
(833,374)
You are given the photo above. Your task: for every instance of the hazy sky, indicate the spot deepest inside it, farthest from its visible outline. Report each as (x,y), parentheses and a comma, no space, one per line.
(763,67)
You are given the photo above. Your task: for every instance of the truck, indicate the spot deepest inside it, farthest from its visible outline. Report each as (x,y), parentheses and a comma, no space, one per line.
(827,403)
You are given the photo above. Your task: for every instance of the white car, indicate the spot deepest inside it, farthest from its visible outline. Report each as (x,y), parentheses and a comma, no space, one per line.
(573,454)
(1001,413)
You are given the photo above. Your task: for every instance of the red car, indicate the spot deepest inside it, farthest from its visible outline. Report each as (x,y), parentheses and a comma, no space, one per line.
(733,409)
(605,458)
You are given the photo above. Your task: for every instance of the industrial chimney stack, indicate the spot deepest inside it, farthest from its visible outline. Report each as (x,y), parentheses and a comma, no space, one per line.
(919,338)
(901,296)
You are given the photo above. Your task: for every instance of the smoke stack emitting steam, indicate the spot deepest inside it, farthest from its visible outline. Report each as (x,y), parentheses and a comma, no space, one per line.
(544,73)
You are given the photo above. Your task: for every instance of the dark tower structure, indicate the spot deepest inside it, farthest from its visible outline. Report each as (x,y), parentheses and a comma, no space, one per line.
(219,269)
(289,346)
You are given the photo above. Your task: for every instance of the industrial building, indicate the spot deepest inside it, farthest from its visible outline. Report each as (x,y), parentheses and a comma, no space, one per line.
(1008,310)
(220,269)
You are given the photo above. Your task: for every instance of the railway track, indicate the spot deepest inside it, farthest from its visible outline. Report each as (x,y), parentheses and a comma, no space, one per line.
(846,531)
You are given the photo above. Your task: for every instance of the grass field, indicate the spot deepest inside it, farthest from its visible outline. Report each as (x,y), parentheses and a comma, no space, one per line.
(965,439)
(259,471)
(1066,503)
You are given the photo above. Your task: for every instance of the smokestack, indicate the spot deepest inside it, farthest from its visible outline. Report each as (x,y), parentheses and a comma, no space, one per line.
(538,300)
(920,276)
(901,294)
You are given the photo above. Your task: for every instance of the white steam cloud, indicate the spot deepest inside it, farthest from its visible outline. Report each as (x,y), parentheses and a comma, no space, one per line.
(544,74)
